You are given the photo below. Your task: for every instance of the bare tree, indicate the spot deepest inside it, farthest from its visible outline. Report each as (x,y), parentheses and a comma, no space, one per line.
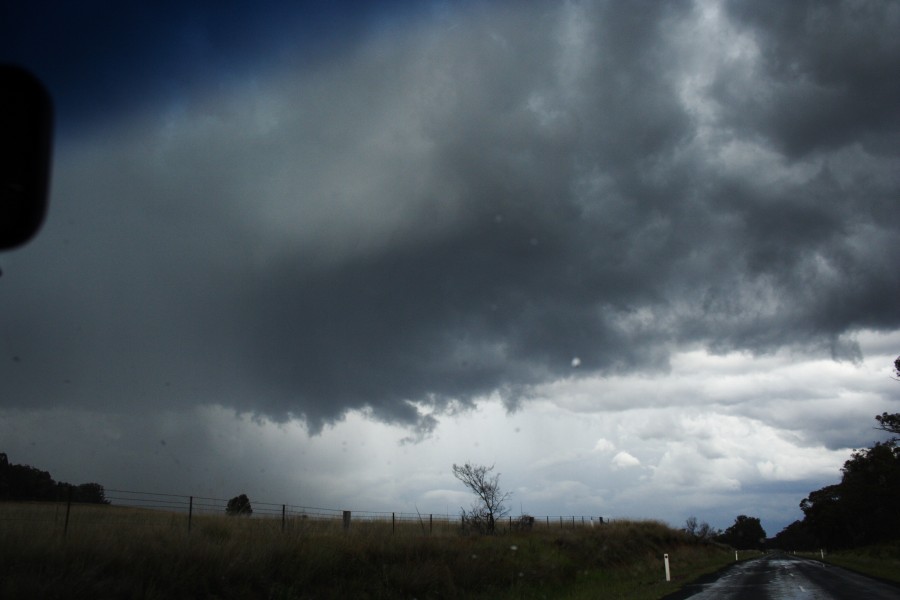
(699,530)
(690,525)
(705,532)
(490,504)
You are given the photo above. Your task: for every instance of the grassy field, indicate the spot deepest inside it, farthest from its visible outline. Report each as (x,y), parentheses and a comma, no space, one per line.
(113,552)
(878,561)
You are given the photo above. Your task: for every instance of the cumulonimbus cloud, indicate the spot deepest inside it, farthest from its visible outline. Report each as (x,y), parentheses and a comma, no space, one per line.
(436,216)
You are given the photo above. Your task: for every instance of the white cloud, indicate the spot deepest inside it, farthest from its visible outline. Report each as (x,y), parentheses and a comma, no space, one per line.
(603,445)
(624,460)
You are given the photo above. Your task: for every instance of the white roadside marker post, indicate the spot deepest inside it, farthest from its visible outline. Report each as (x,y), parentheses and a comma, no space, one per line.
(668,574)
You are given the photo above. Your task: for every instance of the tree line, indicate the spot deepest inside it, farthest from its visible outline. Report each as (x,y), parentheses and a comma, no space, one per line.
(745,533)
(860,510)
(864,508)
(26,483)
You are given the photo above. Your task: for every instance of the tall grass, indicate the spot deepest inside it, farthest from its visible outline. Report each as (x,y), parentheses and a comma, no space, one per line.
(112,552)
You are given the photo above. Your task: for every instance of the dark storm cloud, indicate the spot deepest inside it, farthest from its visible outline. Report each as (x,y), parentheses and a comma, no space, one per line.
(464,211)
(520,286)
(825,75)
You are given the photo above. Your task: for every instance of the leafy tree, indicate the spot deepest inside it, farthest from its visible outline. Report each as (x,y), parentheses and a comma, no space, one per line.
(490,503)
(870,494)
(92,493)
(796,536)
(862,508)
(746,533)
(23,482)
(824,517)
(889,423)
(239,506)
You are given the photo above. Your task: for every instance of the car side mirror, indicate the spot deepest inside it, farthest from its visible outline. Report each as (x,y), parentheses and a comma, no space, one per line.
(26,137)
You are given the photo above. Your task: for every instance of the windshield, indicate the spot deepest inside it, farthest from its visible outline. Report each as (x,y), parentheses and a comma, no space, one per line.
(639,257)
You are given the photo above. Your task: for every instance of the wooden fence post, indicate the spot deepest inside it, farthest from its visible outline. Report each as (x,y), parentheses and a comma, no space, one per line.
(190,512)
(282,518)
(346,520)
(393,522)
(68,508)
(431,523)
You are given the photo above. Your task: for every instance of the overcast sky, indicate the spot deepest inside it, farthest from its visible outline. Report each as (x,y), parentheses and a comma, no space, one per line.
(641,256)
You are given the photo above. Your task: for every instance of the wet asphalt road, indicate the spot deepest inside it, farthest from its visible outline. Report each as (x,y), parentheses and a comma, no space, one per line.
(786,577)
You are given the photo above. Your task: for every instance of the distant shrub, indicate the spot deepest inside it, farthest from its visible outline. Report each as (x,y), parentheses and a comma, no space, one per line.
(523,523)
(475,521)
(239,506)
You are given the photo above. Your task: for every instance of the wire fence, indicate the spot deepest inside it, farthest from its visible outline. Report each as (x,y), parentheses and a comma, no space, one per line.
(181,511)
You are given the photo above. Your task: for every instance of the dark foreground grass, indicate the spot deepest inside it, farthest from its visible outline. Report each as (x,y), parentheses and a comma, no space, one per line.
(111,552)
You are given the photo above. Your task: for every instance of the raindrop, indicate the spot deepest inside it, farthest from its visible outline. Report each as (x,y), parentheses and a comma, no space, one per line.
(576,362)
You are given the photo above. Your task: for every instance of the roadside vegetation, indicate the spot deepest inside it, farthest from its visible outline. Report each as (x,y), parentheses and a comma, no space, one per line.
(115,552)
(108,551)
(882,561)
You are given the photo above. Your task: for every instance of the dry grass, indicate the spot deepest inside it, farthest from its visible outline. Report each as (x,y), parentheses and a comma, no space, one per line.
(111,552)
